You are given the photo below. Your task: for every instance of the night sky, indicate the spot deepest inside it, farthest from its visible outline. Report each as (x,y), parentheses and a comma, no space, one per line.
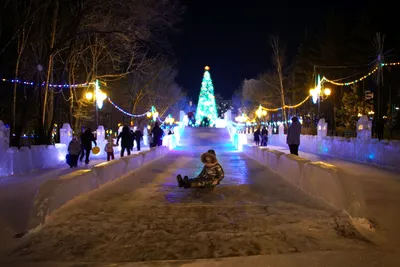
(232,37)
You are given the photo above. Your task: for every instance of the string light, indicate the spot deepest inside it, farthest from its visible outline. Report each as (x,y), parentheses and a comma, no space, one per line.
(50,85)
(391,64)
(363,77)
(352,82)
(287,106)
(125,112)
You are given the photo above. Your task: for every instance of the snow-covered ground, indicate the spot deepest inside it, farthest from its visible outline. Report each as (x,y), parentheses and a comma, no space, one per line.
(17,193)
(146,217)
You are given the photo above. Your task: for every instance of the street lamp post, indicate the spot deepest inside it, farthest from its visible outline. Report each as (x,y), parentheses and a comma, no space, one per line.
(260,112)
(319,95)
(98,98)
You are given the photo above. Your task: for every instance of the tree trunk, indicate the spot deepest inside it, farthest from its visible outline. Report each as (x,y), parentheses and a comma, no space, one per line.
(21,46)
(278,53)
(49,91)
(282,89)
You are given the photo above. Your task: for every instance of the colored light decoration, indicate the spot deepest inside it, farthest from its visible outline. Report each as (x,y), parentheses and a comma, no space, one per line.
(207,107)
(169,119)
(327,91)
(152,113)
(260,112)
(89,96)
(317,93)
(125,112)
(242,118)
(100,96)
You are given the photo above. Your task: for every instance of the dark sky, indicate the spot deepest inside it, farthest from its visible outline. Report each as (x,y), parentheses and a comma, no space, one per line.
(232,37)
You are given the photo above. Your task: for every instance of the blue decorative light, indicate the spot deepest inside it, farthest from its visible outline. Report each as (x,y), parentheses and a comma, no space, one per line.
(125,112)
(50,85)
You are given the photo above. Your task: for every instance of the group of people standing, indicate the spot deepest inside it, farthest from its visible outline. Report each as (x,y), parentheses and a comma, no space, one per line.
(293,136)
(128,137)
(79,149)
(261,136)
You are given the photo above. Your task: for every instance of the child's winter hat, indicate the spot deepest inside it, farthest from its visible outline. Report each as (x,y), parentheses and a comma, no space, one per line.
(209,157)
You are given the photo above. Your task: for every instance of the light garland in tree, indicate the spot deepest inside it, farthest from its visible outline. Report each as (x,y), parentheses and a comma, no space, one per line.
(127,113)
(361,78)
(324,79)
(352,82)
(50,85)
(287,106)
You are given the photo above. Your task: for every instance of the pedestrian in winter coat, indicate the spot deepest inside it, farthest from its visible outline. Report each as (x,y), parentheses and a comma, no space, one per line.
(211,175)
(264,137)
(138,138)
(74,149)
(257,137)
(157,135)
(87,138)
(109,148)
(293,136)
(126,141)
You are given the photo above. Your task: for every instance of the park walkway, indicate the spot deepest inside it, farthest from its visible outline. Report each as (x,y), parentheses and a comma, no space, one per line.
(145,217)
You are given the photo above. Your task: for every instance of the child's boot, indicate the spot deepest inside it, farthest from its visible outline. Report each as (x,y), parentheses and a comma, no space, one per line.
(180,180)
(186,183)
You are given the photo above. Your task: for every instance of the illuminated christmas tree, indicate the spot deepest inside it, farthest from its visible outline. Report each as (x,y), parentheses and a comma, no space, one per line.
(206,113)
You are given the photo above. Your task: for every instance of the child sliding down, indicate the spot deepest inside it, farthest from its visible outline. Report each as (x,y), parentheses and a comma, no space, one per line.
(210,176)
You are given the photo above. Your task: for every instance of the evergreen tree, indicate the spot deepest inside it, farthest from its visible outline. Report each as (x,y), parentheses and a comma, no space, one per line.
(206,108)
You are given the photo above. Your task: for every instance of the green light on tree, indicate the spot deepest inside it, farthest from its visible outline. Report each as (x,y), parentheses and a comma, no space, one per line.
(206,109)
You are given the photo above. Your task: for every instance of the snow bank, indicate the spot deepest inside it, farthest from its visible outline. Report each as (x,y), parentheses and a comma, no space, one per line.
(110,170)
(323,181)
(23,160)
(334,186)
(273,159)
(55,193)
(384,153)
(291,167)
(133,162)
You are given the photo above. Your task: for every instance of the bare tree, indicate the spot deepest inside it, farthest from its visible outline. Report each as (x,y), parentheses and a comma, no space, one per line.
(278,55)
(84,41)
(25,17)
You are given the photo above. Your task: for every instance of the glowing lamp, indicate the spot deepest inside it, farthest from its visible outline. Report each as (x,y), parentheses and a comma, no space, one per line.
(102,96)
(312,91)
(148,114)
(89,96)
(327,91)
(207,68)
